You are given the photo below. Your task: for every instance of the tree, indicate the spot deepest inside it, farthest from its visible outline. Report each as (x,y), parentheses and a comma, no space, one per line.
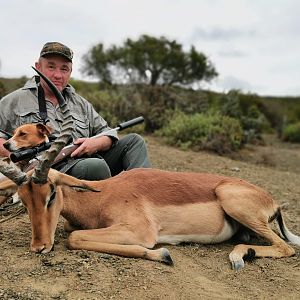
(148,60)
(96,63)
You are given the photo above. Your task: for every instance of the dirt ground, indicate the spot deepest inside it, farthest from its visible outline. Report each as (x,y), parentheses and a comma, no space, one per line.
(199,272)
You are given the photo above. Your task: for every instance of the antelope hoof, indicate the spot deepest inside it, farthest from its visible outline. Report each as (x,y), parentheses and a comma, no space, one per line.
(166,257)
(237,265)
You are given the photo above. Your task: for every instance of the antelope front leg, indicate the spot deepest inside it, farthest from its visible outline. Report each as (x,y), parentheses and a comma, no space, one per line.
(119,241)
(69,228)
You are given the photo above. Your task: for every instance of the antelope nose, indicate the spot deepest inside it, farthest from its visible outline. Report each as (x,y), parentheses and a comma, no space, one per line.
(37,249)
(42,248)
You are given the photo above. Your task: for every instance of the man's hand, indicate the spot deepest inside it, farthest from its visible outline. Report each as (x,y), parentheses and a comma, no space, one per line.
(90,146)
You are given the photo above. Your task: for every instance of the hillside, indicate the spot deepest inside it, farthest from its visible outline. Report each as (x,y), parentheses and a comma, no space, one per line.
(284,105)
(218,122)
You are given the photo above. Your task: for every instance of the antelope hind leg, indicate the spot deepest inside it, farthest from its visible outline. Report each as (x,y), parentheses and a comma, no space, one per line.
(119,241)
(253,208)
(278,249)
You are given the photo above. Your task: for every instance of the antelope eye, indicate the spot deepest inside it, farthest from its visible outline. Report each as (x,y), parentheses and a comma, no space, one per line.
(52,197)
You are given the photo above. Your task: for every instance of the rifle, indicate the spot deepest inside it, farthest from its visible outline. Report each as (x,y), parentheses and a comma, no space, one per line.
(67,150)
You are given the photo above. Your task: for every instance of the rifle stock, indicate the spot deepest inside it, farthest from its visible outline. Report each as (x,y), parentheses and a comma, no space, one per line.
(67,150)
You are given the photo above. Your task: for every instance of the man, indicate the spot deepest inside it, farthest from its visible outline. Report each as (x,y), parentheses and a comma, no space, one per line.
(94,159)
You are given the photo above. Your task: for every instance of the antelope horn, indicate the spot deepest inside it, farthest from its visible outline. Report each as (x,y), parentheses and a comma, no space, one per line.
(40,174)
(12,172)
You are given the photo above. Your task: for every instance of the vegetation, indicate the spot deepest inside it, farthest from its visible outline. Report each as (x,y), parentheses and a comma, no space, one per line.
(186,118)
(11,84)
(217,133)
(2,89)
(168,108)
(291,133)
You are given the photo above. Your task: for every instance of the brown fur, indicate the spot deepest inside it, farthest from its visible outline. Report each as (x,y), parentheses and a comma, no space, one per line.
(28,136)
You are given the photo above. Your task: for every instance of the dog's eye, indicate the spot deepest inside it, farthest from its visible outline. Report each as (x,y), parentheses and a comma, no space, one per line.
(22,133)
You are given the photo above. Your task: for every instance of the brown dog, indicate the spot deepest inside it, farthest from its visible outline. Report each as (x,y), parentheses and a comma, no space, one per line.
(28,136)
(25,136)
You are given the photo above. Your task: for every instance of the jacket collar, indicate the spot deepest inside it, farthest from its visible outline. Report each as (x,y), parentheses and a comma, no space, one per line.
(31,84)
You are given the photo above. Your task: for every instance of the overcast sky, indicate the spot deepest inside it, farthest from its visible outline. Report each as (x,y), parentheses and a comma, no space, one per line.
(253,44)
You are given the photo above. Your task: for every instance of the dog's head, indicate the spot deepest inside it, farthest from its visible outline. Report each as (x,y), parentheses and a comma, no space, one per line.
(28,136)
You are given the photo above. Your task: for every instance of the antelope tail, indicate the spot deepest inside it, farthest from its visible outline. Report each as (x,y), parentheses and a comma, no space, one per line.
(294,239)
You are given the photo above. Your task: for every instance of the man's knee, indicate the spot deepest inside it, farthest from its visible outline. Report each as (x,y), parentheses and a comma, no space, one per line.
(136,152)
(90,169)
(138,139)
(133,139)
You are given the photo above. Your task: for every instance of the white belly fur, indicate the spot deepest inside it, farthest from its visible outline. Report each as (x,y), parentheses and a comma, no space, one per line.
(227,232)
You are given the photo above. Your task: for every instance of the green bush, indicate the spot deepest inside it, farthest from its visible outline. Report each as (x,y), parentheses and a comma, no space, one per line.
(156,103)
(220,134)
(252,119)
(116,107)
(291,133)
(229,104)
(254,123)
(103,103)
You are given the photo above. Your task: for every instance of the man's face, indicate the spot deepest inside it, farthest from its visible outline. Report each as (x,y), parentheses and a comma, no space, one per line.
(57,68)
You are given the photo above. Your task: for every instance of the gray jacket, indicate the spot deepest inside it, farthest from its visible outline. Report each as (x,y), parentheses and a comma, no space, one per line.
(21,107)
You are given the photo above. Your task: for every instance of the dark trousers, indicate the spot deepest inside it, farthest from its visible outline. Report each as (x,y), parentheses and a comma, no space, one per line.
(128,153)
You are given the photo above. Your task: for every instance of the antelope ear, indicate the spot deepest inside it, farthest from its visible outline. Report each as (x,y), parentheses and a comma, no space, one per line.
(44,129)
(70,181)
(83,188)
(7,188)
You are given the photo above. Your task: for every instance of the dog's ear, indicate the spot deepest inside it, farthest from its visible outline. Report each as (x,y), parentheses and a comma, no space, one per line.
(44,129)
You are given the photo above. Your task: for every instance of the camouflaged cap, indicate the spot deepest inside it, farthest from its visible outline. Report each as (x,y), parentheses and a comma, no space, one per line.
(57,48)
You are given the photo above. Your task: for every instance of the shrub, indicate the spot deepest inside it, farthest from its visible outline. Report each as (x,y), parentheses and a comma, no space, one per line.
(156,103)
(220,134)
(103,103)
(229,104)
(291,133)
(254,123)
(251,118)
(116,107)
